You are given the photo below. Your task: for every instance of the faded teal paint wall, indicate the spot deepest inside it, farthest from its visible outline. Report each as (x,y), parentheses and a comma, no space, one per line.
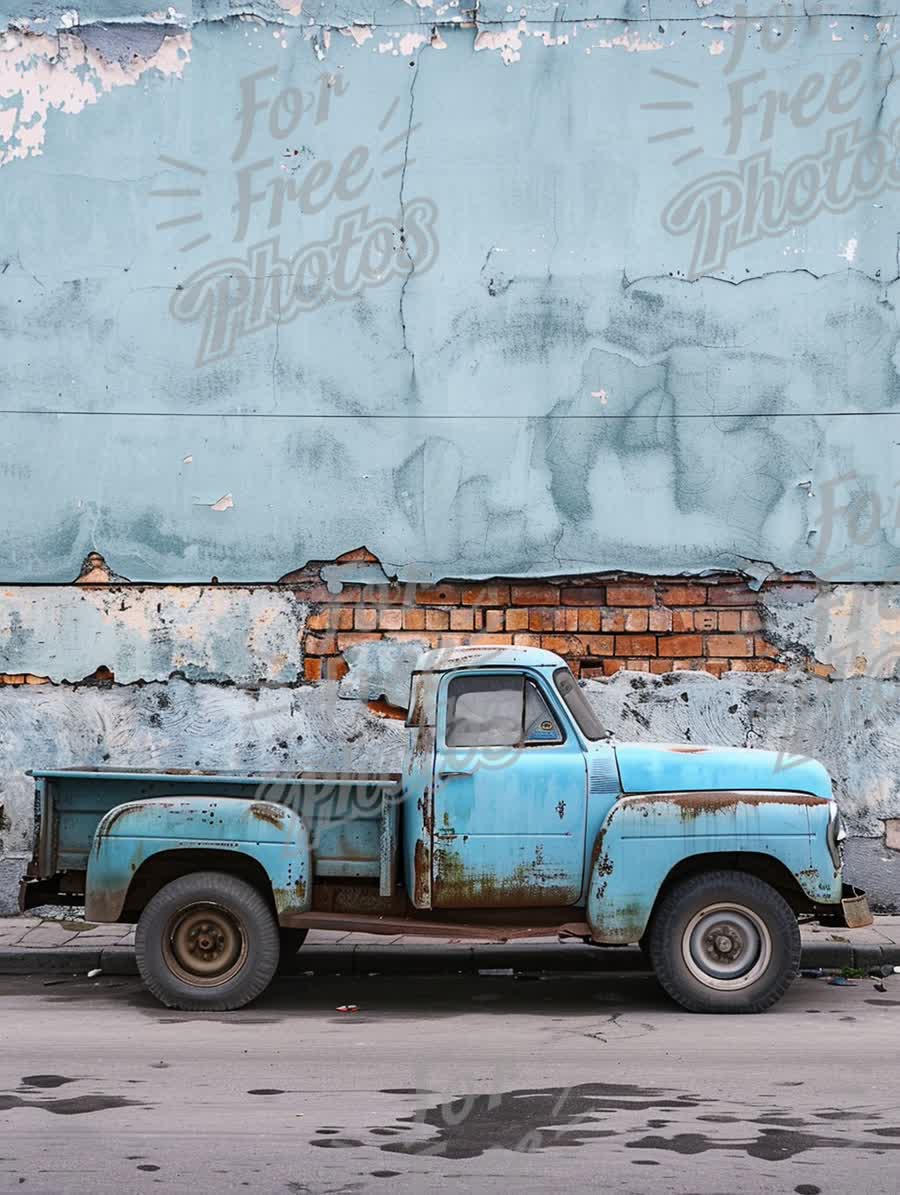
(550,394)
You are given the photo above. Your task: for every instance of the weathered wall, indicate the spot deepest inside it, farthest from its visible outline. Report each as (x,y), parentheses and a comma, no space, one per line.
(535,292)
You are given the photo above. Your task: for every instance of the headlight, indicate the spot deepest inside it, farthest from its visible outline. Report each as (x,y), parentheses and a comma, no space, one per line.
(836,835)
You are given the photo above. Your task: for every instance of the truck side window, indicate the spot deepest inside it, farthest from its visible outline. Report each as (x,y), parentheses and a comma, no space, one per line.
(498,711)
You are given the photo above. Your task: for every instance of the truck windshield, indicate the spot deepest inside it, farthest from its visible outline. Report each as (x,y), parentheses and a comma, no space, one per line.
(576,703)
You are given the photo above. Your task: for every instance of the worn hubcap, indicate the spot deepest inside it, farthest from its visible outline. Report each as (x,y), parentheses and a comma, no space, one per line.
(205,945)
(726,946)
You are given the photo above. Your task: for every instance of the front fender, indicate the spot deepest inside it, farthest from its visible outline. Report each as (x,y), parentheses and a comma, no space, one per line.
(273,835)
(644,837)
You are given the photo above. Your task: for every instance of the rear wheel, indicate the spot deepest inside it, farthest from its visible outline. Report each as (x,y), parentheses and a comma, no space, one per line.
(207,942)
(725,942)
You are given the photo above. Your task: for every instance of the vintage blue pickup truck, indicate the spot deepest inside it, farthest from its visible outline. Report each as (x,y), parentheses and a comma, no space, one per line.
(514,816)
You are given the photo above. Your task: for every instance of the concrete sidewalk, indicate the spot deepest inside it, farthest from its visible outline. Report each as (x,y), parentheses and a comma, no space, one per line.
(29,945)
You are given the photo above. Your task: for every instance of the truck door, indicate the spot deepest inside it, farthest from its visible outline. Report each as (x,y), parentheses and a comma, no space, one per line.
(509,795)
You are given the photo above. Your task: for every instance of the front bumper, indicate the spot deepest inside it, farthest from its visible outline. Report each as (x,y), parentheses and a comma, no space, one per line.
(852,912)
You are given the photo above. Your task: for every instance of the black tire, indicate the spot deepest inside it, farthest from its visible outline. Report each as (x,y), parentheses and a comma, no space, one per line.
(207,942)
(724,941)
(290,941)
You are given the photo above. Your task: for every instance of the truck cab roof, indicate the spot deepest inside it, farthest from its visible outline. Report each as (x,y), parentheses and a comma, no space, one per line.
(447,659)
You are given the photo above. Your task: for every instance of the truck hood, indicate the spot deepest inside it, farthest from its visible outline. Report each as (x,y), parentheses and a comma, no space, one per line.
(681,767)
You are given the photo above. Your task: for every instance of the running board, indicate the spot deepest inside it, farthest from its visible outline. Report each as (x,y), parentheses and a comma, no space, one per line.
(394,926)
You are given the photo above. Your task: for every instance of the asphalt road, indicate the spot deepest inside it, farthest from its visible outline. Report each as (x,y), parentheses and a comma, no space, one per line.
(472,1084)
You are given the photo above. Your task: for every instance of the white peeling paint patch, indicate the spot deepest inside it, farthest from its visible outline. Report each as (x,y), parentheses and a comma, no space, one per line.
(40,73)
(630,40)
(410,42)
(359,33)
(226,502)
(292,7)
(507,41)
(849,251)
(716,48)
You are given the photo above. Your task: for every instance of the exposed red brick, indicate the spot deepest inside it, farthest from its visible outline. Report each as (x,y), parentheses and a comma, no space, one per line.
(388,595)
(630,595)
(762,648)
(437,620)
(637,665)
(516,620)
(390,619)
(589,620)
(357,554)
(350,638)
(495,639)
(706,620)
(716,667)
(613,620)
(660,666)
(321,593)
(565,619)
(730,620)
(541,619)
(312,669)
(563,645)
(597,645)
(454,639)
(731,595)
(535,595)
(610,667)
(527,640)
(438,595)
(583,595)
(594,671)
(414,620)
(684,595)
(671,646)
(637,620)
(688,665)
(755,665)
(682,620)
(751,621)
(320,645)
(635,645)
(660,620)
(462,620)
(488,594)
(729,645)
(336,668)
(493,619)
(366,620)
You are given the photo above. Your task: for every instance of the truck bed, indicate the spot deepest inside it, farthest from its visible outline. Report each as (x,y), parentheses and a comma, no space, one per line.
(342,809)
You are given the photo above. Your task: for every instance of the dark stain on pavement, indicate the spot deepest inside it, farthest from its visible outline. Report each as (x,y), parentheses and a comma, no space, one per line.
(46,1080)
(72,1106)
(522,1120)
(772,1145)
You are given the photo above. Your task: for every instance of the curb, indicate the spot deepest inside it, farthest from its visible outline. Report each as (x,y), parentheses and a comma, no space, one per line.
(421,959)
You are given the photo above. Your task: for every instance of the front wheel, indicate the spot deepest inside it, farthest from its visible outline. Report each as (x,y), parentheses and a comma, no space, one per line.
(725,942)
(207,942)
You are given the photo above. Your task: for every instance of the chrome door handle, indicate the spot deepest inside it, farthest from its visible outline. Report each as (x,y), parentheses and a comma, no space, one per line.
(451,775)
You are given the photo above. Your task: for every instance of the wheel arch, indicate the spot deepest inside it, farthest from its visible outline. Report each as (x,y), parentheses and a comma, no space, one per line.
(756,863)
(143,845)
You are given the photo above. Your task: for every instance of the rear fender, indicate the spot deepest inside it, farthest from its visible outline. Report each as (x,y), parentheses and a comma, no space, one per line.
(273,835)
(644,837)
